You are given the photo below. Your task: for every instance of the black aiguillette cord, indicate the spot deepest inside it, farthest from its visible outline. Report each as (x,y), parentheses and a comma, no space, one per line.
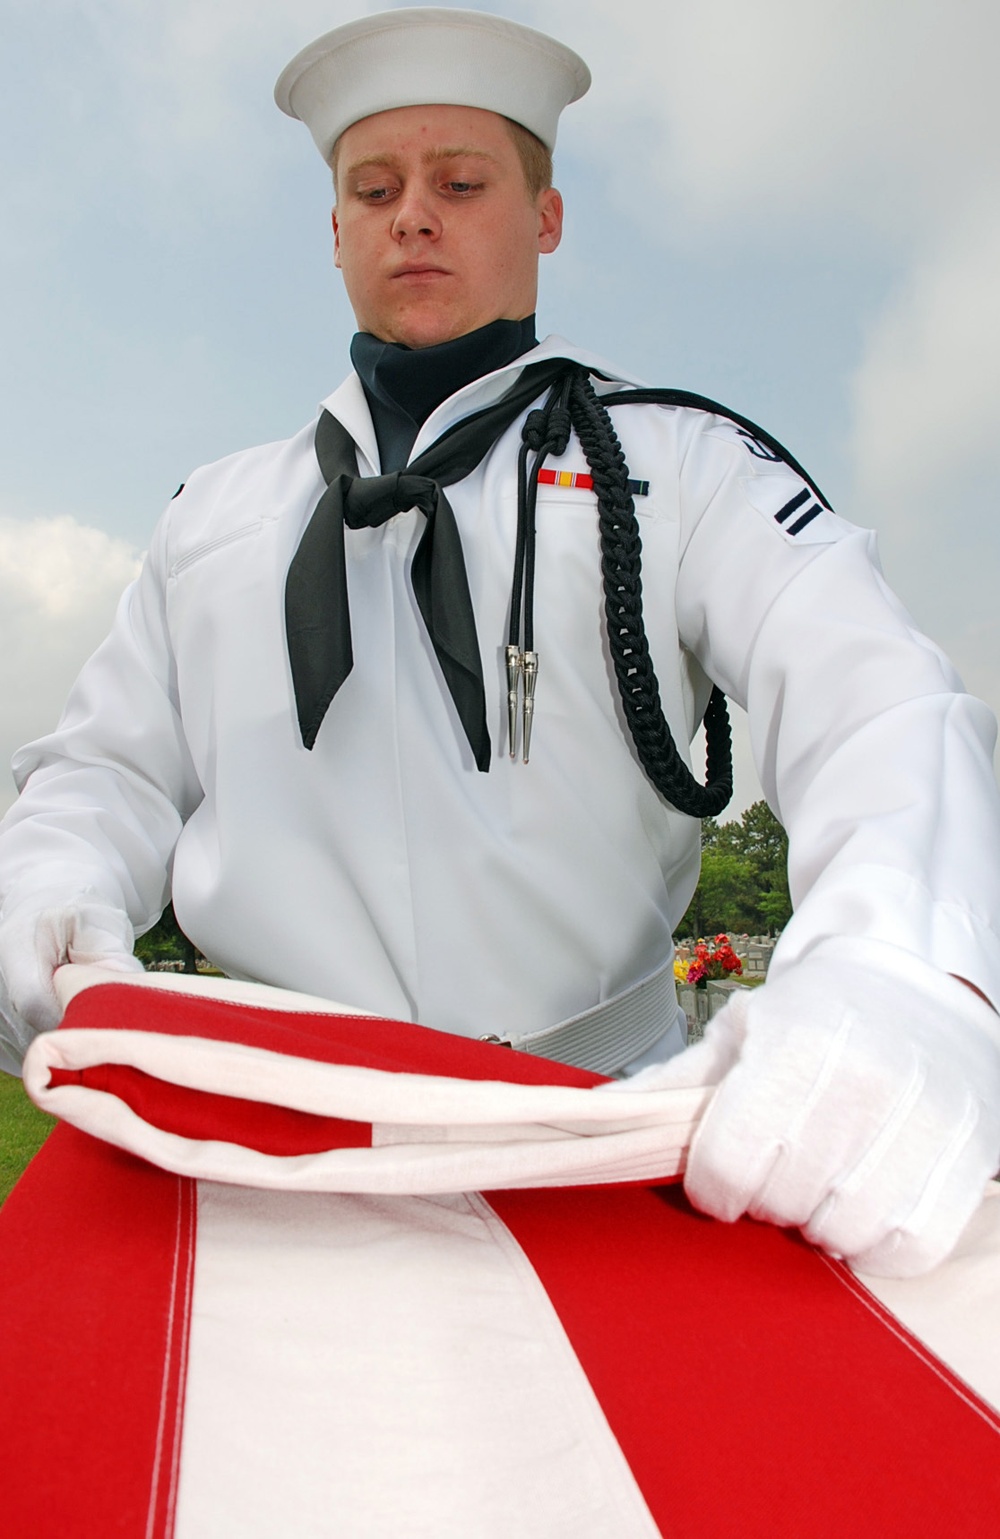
(546,431)
(317,616)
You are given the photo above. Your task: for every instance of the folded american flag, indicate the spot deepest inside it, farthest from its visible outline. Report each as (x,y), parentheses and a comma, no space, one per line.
(235,1082)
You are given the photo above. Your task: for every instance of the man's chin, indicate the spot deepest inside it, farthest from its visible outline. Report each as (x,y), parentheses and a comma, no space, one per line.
(419,331)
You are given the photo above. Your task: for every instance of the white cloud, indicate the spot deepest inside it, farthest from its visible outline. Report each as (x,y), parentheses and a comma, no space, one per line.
(782,116)
(59,584)
(927,392)
(186,86)
(926,403)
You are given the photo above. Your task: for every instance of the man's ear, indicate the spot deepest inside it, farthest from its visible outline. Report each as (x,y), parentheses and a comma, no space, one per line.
(550,219)
(336,239)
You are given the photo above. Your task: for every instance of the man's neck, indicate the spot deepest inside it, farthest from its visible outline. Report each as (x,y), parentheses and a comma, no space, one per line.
(404,385)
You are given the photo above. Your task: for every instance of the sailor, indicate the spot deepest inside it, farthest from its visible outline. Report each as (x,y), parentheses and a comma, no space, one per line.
(398,711)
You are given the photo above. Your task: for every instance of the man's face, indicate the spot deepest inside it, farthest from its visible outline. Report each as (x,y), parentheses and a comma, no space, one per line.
(434,229)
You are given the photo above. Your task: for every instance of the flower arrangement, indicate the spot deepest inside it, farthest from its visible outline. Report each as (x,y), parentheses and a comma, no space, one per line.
(713,959)
(681,969)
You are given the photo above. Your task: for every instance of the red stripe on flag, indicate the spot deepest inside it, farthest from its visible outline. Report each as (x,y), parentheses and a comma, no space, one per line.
(364,1041)
(752,1393)
(96,1258)
(204,1114)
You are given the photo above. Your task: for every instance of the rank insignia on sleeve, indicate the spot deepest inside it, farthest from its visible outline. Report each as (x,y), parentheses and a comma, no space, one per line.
(792,508)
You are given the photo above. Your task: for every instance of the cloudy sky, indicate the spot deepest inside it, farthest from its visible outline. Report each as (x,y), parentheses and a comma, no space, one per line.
(791,205)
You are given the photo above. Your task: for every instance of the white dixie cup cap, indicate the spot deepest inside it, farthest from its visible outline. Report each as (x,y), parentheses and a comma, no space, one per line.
(425,56)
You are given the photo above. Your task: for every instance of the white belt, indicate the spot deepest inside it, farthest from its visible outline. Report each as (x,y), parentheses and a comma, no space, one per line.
(610,1034)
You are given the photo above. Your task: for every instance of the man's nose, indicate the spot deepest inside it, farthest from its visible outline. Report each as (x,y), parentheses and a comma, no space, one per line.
(415,215)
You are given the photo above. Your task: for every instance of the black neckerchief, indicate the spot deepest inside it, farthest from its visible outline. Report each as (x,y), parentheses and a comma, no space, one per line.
(317,618)
(404,385)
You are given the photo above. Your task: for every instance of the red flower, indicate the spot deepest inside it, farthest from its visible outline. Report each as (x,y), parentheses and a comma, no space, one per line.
(715,960)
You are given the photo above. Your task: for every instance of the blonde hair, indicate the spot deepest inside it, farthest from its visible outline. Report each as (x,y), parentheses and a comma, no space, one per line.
(535,158)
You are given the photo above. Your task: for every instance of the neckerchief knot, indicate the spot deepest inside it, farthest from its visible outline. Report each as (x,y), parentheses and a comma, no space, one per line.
(372,500)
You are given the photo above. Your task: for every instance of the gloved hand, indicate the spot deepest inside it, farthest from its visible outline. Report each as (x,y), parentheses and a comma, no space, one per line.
(39,935)
(859,1100)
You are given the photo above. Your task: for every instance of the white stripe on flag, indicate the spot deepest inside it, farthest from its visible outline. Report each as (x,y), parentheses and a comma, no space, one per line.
(380,1367)
(955,1310)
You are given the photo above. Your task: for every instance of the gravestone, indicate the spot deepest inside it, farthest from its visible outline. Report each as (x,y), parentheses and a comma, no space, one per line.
(699,1005)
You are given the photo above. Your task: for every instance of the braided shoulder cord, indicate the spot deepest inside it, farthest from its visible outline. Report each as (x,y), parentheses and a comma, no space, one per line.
(621,565)
(573,401)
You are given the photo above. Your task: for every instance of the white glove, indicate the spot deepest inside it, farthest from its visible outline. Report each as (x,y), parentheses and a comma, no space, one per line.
(859,1099)
(40,935)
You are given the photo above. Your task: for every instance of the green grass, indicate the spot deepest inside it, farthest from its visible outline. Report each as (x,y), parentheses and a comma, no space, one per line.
(23,1130)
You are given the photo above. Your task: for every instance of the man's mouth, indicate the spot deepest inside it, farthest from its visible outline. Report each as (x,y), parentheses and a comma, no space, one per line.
(421,270)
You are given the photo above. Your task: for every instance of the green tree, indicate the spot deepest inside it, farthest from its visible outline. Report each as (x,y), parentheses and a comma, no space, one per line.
(744,876)
(724,897)
(766,847)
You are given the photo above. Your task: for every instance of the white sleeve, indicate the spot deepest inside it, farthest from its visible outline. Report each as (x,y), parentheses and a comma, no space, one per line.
(104,796)
(870,752)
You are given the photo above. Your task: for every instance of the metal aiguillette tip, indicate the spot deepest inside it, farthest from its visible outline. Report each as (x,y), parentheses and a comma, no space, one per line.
(512,656)
(529,667)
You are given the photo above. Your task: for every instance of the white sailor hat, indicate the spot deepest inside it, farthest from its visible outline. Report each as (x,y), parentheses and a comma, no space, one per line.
(416,57)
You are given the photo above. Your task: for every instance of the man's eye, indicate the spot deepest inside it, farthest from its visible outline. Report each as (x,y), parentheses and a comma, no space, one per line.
(463,188)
